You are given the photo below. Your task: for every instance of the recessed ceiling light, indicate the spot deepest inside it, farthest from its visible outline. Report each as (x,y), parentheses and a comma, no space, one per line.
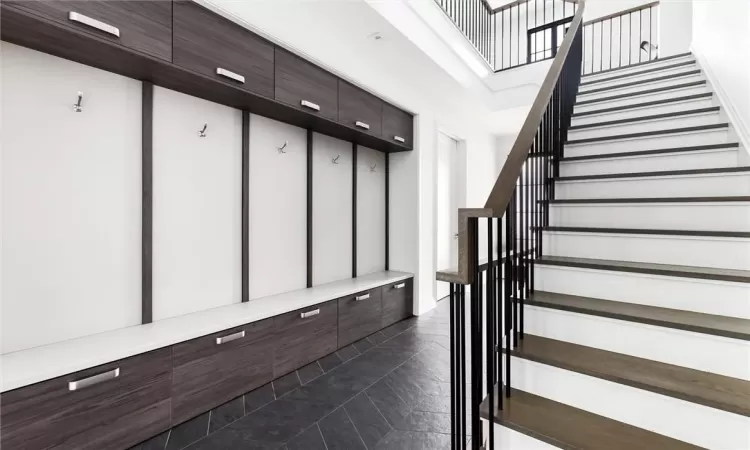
(376,36)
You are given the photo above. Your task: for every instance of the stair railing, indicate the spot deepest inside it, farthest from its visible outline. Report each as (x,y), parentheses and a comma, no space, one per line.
(515,212)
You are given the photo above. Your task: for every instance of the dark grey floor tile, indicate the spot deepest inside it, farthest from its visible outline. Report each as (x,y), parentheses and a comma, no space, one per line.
(370,424)
(329,362)
(310,372)
(310,439)
(281,420)
(188,432)
(226,414)
(157,442)
(390,405)
(427,421)
(230,439)
(363,345)
(286,384)
(347,353)
(397,328)
(339,432)
(407,387)
(435,403)
(402,440)
(377,338)
(259,397)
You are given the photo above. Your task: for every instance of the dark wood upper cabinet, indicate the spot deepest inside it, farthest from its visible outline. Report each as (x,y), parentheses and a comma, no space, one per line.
(360,109)
(306,86)
(398,126)
(142,25)
(214,46)
(116,405)
(303,336)
(211,370)
(359,316)
(397,302)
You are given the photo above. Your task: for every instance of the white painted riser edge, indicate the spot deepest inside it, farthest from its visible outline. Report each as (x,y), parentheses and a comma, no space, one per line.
(723,253)
(644,111)
(730,216)
(632,79)
(672,140)
(676,186)
(582,96)
(690,294)
(692,120)
(507,439)
(713,159)
(715,354)
(640,68)
(636,99)
(679,419)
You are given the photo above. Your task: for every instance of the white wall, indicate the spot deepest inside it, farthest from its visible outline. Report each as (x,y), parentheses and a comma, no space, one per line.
(370,211)
(71,200)
(721,37)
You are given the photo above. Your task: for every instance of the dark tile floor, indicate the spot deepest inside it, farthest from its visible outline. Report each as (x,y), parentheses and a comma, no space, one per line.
(388,391)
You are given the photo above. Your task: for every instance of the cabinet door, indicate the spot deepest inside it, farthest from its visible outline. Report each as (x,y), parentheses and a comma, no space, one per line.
(305,85)
(397,302)
(360,109)
(359,316)
(398,126)
(303,336)
(144,26)
(214,369)
(216,47)
(115,405)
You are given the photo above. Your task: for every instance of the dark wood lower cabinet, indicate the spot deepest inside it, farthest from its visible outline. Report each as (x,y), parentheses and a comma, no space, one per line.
(359,316)
(304,336)
(398,299)
(112,406)
(214,369)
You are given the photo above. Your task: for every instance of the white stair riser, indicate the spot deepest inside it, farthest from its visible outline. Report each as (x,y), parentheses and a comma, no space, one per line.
(651,163)
(582,96)
(505,439)
(665,108)
(678,186)
(715,354)
(690,294)
(637,407)
(692,120)
(723,253)
(636,99)
(635,78)
(639,68)
(730,216)
(671,140)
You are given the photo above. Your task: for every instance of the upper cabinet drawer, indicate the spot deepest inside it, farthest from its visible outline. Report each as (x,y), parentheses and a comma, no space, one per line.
(208,43)
(145,26)
(306,86)
(360,109)
(398,126)
(115,405)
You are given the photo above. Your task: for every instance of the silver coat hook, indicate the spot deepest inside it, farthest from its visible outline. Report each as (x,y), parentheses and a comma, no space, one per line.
(372,169)
(281,149)
(202,133)
(336,159)
(77,106)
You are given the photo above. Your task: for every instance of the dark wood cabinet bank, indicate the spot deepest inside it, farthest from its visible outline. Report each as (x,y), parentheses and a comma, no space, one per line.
(304,336)
(398,299)
(360,109)
(359,316)
(305,86)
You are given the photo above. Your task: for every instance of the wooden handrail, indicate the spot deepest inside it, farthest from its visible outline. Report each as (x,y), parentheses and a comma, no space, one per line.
(621,13)
(499,197)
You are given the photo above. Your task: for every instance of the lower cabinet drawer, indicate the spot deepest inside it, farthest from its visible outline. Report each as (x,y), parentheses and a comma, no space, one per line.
(359,316)
(112,406)
(397,301)
(214,369)
(304,336)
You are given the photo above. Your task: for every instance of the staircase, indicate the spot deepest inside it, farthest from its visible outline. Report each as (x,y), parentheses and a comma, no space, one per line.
(636,331)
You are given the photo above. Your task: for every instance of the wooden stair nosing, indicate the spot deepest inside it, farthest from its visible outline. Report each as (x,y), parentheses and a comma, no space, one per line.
(644,104)
(665,173)
(650,231)
(643,134)
(691,385)
(661,151)
(636,83)
(639,93)
(576,201)
(644,63)
(689,112)
(642,72)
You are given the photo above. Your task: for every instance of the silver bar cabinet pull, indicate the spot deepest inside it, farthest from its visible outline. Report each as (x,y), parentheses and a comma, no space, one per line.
(359,298)
(362,125)
(93,23)
(399,139)
(230,337)
(399,286)
(229,74)
(96,379)
(310,105)
(307,314)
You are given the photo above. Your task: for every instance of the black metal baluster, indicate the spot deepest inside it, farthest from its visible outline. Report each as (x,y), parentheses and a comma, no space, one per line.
(454,386)
(507,313)
(462,361)
(640,35)
(490,329)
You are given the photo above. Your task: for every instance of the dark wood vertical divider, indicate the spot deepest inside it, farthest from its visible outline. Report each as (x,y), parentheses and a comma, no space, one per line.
(354,210)
(147,173)
(387,208)
(245,205)
(309,208)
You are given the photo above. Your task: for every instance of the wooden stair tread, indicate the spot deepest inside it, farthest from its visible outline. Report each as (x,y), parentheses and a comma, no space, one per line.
(641,93)
(644,104)
(572,201)
(644,63)
(643,134)
(661,173)
(571,428)
(642,72)
(690,112)
(649,231)
(670,270)
(704,388)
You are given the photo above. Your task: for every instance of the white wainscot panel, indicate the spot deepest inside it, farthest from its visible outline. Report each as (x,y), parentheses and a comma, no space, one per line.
(71,200)
(278,207)
(332,209)
(197,240)
(370,211)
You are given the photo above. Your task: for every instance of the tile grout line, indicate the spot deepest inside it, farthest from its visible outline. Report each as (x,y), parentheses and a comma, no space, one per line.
(317,425)
(353,425)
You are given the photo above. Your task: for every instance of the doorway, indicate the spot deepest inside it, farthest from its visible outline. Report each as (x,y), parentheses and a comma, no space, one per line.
(449,197)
